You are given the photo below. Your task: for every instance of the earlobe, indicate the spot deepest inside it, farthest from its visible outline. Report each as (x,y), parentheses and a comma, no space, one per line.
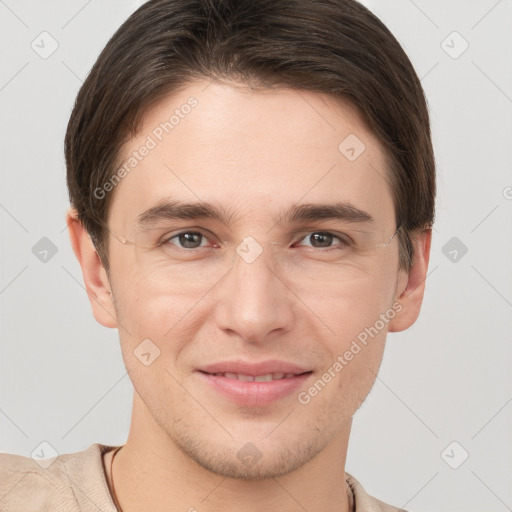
(411,286)
(94,274)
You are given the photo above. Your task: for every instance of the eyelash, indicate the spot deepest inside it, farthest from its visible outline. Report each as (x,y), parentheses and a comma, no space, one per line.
(344,242)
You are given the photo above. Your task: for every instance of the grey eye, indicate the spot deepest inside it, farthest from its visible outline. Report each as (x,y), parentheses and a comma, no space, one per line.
(187,239)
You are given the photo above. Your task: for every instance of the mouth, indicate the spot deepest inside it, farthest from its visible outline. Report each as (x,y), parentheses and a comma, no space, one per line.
(252,387)
(268,377)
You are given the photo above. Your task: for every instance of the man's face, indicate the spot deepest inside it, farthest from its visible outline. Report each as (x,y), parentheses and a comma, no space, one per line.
(293,292)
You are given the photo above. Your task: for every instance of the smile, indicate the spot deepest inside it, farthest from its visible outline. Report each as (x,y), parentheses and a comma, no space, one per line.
(254,391)
(259,378)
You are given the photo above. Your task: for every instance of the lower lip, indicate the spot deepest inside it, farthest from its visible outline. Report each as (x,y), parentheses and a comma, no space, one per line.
(253,393)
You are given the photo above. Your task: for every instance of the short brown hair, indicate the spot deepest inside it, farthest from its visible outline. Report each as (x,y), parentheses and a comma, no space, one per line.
(336,47)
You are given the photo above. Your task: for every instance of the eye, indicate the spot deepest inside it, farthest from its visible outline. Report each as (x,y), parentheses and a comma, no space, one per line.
(187,240)
(324,239)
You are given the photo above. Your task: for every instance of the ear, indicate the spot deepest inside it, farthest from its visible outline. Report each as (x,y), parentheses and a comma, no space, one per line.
(94,274)
(411,286)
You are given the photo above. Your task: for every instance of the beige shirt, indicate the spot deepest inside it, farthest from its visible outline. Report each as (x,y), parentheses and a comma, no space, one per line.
(77,482)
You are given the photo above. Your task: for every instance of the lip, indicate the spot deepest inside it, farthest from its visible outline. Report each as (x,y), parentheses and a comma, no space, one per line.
(254,394)
(254,369)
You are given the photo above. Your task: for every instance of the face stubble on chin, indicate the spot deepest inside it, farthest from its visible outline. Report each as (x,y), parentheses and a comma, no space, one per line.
(310,326)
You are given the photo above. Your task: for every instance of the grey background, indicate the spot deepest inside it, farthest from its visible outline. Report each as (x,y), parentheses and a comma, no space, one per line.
(446,379)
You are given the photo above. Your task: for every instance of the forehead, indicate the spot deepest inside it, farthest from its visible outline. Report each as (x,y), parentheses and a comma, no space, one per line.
(253,152)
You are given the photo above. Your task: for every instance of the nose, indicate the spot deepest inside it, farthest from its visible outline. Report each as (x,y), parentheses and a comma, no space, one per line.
(253,299)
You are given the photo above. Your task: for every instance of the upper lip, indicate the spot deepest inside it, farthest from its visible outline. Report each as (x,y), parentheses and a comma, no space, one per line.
(253,369)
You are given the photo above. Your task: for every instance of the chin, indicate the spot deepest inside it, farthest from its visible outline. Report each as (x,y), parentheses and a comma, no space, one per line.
(246,460)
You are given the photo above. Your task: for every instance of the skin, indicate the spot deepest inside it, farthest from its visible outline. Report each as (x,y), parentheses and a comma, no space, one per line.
(255,153)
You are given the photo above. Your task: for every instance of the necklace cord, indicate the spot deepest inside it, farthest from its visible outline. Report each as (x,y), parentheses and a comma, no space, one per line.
(116,501)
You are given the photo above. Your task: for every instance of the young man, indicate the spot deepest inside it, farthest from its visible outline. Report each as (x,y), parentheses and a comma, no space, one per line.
(252,187)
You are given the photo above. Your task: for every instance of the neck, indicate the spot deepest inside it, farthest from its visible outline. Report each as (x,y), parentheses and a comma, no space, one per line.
(152,473)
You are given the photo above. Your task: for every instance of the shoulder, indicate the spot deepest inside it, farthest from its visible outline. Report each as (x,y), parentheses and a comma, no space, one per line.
(58,483)
(24,485)
(364,502)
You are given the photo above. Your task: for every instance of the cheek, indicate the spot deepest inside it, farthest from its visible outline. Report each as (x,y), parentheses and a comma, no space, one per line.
(148,345)
(357,315)
(156,318)
(353,365)
(349,305)
(150,304)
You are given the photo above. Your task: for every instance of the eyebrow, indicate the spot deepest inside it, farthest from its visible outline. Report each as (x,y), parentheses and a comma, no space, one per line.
(172,210)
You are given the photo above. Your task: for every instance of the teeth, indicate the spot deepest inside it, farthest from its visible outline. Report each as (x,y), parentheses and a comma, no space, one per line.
(263,378)
(260,378)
